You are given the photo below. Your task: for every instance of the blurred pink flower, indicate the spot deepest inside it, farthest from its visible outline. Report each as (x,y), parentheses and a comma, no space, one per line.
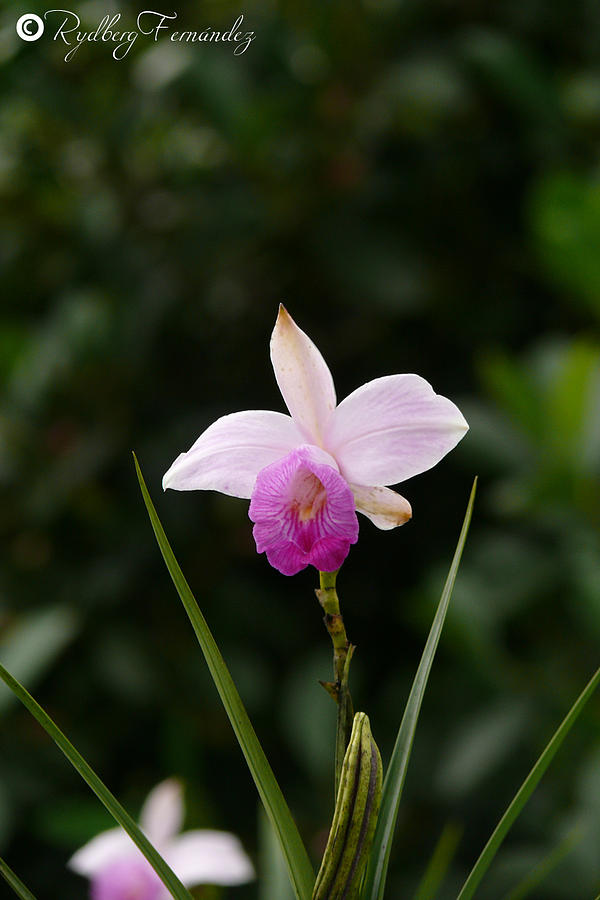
(308,472)
(119,871)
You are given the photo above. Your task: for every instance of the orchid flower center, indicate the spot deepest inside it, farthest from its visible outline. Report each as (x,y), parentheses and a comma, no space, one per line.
(303,512)
(308,495)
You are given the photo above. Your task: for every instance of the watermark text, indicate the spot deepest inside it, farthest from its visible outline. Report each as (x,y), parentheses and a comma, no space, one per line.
(64,26)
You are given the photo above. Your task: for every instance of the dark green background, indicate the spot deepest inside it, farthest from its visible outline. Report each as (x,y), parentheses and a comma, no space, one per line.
(418,182)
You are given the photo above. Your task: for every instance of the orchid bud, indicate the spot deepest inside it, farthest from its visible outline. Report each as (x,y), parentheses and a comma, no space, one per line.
(354,818)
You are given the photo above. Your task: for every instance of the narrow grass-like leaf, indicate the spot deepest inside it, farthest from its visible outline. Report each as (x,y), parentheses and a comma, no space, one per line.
(374,885)
(165,873)
(439,862)
(540,872)
(299,867)
(525,791)
(15,883)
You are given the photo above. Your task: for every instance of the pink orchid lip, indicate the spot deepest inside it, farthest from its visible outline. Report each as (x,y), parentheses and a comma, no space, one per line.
(128,877)
(303,513)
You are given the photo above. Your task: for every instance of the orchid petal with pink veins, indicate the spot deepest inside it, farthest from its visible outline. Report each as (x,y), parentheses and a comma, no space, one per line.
(304,513)
(303,377)
(385,508)
(126,879)
(228,456)
(391,429)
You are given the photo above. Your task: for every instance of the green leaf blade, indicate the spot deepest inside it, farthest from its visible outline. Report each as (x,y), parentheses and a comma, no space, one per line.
(118,812)
(374,885)
(14,882)
(525,791)
(299,867)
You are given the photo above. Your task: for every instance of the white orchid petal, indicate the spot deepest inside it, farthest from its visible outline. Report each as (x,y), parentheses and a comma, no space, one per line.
(161,817)
(209,857)
(102,850)
(228,456)
(303,377)
(385,508)
(391,429)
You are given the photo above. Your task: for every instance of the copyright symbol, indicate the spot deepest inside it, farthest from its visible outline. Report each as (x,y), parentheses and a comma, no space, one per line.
(30,27)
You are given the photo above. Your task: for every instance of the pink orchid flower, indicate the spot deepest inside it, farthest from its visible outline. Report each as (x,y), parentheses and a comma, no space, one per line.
(119,871)
(306,474)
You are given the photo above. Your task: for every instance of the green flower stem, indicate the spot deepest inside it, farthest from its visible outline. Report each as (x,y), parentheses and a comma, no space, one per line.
(342,655)
(334,622)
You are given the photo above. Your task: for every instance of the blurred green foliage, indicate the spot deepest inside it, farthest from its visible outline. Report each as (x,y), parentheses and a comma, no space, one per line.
(419,184)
